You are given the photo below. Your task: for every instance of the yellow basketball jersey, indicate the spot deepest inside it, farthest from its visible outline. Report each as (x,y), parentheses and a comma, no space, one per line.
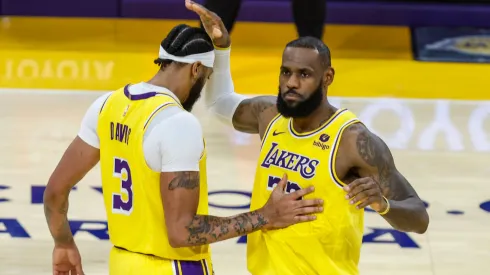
(332,243)
(131,189)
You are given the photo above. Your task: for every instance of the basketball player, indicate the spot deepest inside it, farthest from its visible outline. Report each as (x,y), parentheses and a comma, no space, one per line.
(152,159)
(316,143)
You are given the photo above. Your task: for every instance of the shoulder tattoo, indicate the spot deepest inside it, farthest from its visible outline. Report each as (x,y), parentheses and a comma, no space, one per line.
(375,153)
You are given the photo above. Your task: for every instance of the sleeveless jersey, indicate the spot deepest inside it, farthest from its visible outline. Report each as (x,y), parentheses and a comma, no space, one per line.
(332,243)
(131,189)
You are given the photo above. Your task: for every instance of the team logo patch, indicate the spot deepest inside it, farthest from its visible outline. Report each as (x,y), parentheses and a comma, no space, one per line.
(324,138)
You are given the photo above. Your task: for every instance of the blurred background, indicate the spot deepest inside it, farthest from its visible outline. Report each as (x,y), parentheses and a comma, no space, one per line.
(416,73)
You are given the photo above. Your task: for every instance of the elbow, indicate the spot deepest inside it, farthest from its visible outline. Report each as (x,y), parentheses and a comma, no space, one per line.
(421,224)
(55,192)
(424,222)
(177,238)
(175,241)
(51,193)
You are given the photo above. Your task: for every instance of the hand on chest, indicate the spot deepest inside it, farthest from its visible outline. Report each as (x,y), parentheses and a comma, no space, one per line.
(302,158)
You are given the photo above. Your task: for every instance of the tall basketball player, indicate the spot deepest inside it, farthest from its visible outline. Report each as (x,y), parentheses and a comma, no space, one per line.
(316,143)
(152,158)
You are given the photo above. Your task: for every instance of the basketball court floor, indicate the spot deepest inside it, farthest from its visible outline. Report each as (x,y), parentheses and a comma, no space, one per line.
(441,146)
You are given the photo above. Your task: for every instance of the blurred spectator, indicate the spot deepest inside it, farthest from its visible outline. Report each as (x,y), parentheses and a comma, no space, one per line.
(309,15)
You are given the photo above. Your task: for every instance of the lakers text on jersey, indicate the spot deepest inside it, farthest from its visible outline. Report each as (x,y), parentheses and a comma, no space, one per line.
(329,245)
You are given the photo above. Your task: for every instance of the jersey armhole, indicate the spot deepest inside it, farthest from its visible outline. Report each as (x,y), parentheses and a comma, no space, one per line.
(203,150)
(103,103)
(333,152)
(156,111)
(101,110)
(266,133)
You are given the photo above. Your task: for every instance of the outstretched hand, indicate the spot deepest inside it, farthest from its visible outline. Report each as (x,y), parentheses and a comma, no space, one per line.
(212,24)
(283,210)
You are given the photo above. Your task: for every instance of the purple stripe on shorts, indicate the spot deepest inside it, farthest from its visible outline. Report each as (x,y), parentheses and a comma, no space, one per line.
(176,266)
(191,268)
(205,266)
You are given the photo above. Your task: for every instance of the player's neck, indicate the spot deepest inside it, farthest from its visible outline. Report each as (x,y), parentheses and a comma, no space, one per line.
(169,81)
(315,119)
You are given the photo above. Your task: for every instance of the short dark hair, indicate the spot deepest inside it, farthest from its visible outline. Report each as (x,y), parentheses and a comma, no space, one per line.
(309,42)
(184,40)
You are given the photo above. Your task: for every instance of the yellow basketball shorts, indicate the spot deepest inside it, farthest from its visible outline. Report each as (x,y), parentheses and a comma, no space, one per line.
(123,262)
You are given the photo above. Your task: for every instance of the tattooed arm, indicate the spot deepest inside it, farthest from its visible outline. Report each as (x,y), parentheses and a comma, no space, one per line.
(78,159)
(253,114)
(180,195)
(181,152)
(245,114)
(371,158)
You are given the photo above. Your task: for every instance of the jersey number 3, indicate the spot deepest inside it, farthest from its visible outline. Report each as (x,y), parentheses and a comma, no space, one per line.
(122,171)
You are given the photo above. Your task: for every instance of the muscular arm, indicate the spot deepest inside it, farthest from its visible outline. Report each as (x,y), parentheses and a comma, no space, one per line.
(372,158)
(249,115)
(78,159)
(180,152)
(180,196)
(253,114)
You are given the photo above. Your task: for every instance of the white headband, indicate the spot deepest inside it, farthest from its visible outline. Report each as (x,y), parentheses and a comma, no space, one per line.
(207,58)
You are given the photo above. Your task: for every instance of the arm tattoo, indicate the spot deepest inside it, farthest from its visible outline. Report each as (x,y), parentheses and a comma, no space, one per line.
(209,229)
(58,222)
(247,115)
(407,212)
(186,180)
(377,154)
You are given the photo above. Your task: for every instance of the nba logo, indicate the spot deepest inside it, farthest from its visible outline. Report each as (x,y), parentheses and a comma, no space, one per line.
(324,138)
(125,111)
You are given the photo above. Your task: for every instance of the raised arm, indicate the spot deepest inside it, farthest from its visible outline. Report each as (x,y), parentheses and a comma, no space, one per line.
(180,190)
(245,114)
(372,160)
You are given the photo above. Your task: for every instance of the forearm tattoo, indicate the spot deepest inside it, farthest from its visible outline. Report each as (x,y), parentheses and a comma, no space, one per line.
(209,229)
(58,222)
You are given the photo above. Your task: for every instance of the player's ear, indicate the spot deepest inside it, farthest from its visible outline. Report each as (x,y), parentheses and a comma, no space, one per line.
(196,70)
(328,76)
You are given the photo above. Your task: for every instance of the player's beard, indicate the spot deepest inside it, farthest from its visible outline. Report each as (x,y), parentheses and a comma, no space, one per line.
(301,108)
(194,94)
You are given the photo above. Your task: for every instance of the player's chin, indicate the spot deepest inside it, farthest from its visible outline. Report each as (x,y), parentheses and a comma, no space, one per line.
(291,103)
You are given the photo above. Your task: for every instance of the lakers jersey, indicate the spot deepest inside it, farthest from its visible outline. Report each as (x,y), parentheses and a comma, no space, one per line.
(131,189)
(329,245)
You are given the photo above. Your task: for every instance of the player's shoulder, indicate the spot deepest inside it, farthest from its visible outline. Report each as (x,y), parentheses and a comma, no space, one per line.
(96,106)
(99,102)
(356,128)
(179,120)
(357,135)
(351,134)
(104,96)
